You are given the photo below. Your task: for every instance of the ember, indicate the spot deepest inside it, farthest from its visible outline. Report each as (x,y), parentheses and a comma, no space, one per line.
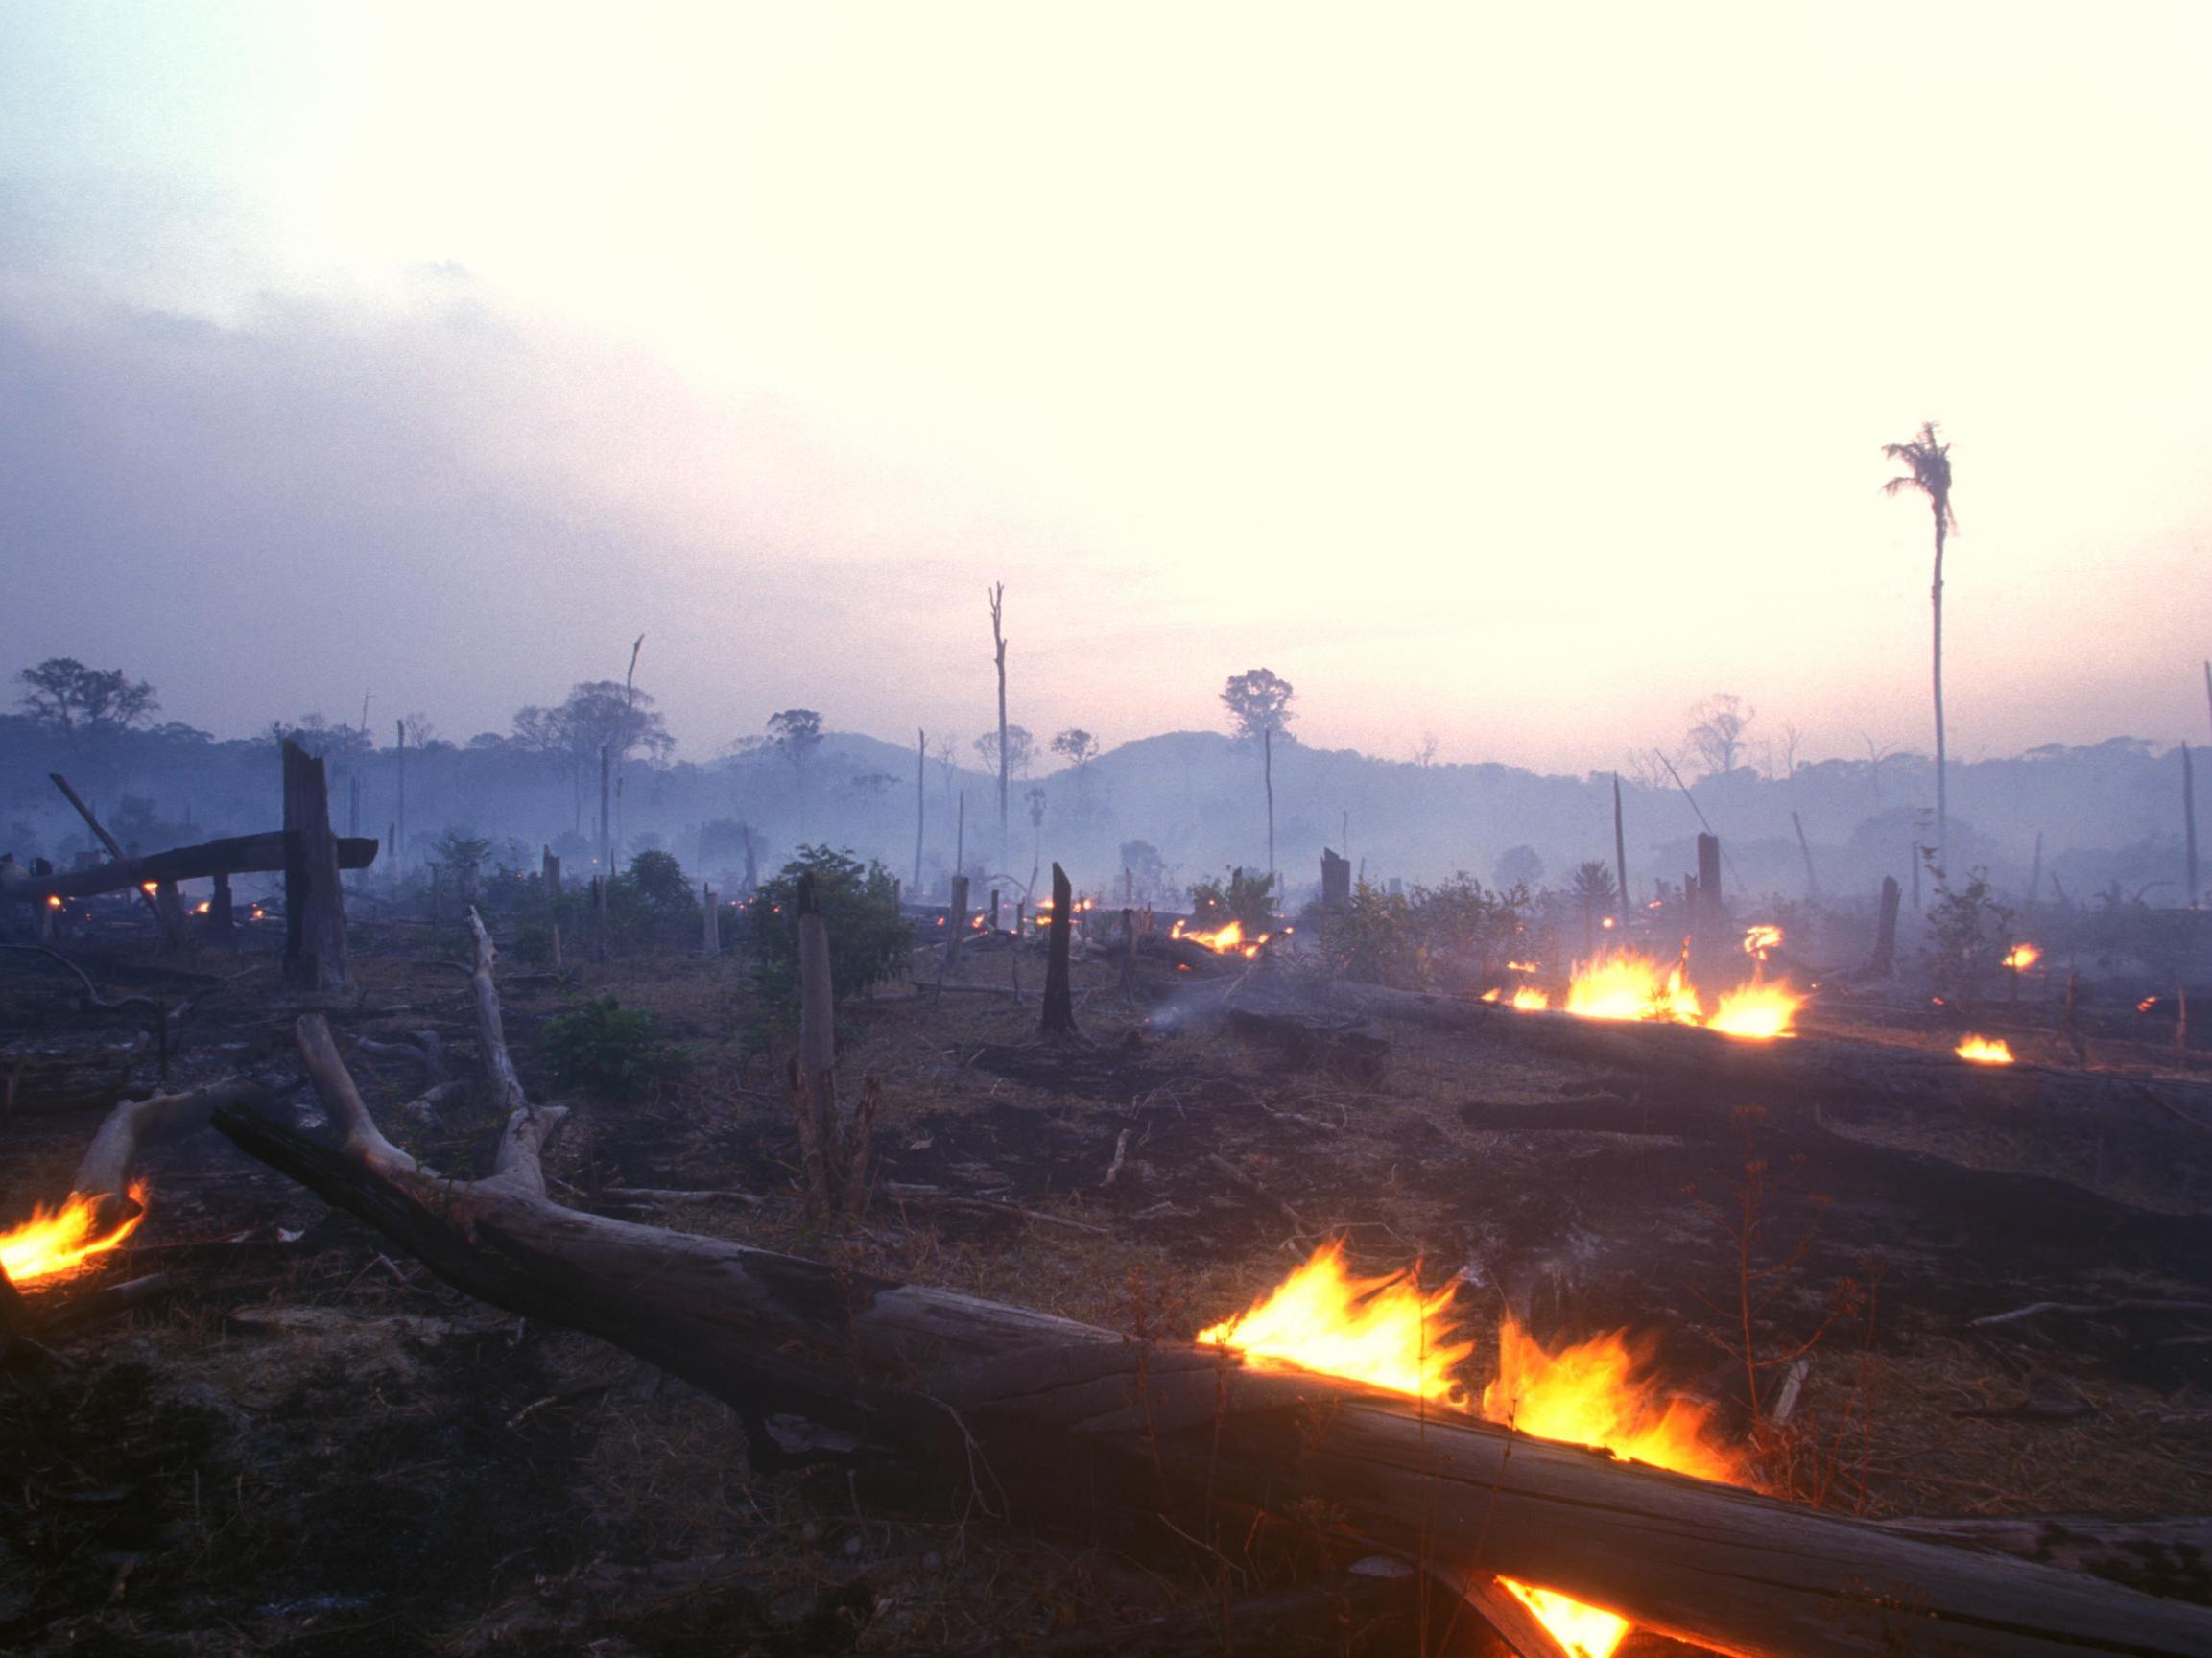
(1985,1050)
(2023,958)
(55,1241)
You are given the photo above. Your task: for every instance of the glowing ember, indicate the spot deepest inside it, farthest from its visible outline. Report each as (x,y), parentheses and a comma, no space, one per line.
(1520,966)
(1629,986)
(1382,1331)
(2147,1003)
(52,902)
(1760,1012)
(2023,958)
(1760,939)
(1984,1051)
(59,1240)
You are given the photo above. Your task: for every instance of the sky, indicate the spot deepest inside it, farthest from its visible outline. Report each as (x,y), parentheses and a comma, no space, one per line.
(1516,376)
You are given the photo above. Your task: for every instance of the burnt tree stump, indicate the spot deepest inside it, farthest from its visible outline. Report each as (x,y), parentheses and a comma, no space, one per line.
(1058,1022)
(314,958)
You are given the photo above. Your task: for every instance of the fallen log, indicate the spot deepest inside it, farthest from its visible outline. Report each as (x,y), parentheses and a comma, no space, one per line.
(1023,1407)
(1803,1069)
(235,855)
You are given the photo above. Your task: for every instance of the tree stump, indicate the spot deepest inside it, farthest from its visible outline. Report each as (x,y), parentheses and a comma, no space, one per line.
(315,956)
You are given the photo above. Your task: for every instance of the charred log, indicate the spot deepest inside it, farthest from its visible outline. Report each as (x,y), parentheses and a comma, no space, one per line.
(824,1361)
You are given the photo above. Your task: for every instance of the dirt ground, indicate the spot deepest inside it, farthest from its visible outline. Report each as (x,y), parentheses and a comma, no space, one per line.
(308,1445)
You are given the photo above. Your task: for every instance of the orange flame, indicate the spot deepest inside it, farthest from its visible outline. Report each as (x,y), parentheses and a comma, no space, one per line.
(2023,958)
(1382,1331)
(1762,939)
(1229,940)
(1626,986)
(59,1240)
(1386,1332)
(1985,1050)
(1531,1001)
(1760,1012)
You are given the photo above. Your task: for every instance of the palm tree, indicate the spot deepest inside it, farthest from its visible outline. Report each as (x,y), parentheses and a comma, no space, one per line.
(1929,471)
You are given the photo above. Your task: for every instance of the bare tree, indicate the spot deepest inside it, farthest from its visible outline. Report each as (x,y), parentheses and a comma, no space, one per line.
(1423,753)
(1716,733)
(998,641)
(1259,703)
(1928,469)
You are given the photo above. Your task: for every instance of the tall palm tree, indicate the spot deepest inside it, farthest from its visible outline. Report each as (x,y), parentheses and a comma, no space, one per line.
(1928,463)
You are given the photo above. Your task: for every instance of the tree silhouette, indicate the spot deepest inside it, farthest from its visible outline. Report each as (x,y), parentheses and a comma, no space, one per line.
(1928,463)
(796,733)
(1259,702)
(64,696)
(1717,734)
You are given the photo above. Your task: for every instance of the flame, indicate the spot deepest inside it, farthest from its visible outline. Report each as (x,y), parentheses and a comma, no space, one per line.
(2147,1003)
(1582,1632)
(1531,1001)
(53,901)
(202,907)
(1627,985)
(1229,940)
(1759,1011)
(1383,1331)
(1520,966)
(1760,939)
(2023,958)
(1386,1332)
(1624,985)
(57,1240)
(1984,1051)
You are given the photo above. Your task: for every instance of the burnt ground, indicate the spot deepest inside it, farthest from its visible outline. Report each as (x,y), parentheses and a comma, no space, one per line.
(309,1446)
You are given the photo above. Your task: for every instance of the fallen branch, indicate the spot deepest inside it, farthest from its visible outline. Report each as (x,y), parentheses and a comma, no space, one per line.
(2087,1309)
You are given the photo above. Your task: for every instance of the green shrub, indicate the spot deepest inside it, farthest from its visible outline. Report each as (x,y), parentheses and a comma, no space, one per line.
(868,941)
(617,1052)
(1247,900)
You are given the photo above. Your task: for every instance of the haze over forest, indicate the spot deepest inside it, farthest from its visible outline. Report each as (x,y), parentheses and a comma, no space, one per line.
(1509,386)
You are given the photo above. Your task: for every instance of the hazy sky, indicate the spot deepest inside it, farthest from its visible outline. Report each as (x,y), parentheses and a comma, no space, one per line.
(1514,373)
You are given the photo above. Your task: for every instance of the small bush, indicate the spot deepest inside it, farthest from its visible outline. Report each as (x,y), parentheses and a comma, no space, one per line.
(620,1053)
(868,941)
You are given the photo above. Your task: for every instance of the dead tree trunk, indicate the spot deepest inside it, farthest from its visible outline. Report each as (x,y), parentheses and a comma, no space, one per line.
(2189,823)
(1058,1022)
(1021,1407)
(1804,847)
(1620,850)
(606,810)
(222,916)
(920,804)
(710,927)
(998,641)
(833,1140)
(956,923)
(235,855)
(314,958)
(549,873)
(1885,959)
(1336,880)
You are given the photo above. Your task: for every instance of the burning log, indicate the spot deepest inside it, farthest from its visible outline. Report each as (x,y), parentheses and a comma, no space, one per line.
(1803,1069)
(1043,1410)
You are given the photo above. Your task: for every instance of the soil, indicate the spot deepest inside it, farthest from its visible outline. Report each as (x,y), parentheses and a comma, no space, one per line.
(307,1445)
